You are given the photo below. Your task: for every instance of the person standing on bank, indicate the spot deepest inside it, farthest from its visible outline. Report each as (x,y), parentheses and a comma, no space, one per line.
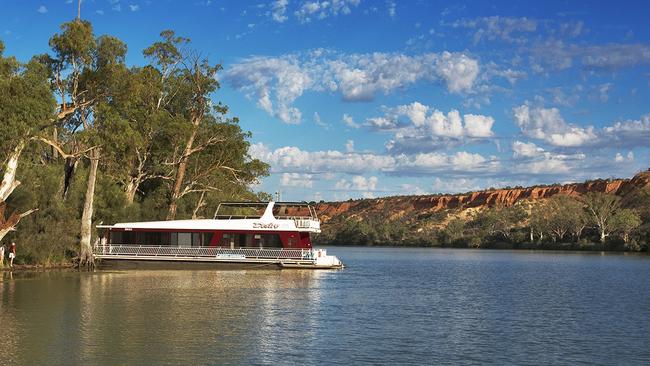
(12,254)
(2,255)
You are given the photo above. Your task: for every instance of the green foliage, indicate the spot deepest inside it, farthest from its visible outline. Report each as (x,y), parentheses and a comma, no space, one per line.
(75,43)
(624,222)
(26,103)
(498,221)
(601,208)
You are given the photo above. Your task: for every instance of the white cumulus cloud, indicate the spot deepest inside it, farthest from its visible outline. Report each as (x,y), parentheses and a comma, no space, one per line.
(291,159)
(458,70)
(418,127)
(547,124)
(297,180)
(276,82)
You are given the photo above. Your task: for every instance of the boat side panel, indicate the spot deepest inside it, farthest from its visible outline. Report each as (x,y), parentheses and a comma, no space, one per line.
(289,239)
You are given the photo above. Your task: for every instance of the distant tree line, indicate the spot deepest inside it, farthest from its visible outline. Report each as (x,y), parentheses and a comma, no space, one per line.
(86,139)
(594,221)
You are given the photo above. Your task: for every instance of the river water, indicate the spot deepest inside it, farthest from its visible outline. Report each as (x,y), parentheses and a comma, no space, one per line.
(390,306)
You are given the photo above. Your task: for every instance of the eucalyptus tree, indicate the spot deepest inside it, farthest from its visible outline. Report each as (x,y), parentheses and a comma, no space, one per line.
(26,107)
(138,132)
(601,208)
(223,170)
(210,152)
(500,220)
(540,217)
(72,56)
(574,213)
(198,82)
(167,129)
(84,71)
(624,222)
(151,116)
(566,216)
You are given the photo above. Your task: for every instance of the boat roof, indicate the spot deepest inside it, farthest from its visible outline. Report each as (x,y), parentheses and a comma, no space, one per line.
(264,203)
(220,220)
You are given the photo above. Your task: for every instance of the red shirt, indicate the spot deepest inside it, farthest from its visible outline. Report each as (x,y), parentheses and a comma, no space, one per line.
(12,248)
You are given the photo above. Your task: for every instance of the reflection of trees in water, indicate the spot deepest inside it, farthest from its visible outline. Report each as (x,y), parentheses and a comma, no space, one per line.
(40,311)
(189,317)
(180,317)
(8,323)
(289,317)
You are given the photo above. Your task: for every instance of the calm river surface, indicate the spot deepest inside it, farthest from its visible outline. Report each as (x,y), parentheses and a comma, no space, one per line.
(390,306)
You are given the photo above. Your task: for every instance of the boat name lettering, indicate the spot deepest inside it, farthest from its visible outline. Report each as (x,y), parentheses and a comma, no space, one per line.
(259,225)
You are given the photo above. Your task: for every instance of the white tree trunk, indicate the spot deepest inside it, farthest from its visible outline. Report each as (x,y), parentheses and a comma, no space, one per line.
(4,232)
(130,190)
(9,182)
(9,225)
(85,249)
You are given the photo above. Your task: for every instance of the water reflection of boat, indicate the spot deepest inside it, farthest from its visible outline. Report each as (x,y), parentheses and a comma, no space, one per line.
(258,234)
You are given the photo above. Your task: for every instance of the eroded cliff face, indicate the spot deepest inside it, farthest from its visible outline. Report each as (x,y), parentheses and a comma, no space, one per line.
(395,207)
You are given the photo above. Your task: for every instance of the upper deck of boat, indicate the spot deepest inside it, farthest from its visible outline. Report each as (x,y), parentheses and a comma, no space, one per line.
(240,216)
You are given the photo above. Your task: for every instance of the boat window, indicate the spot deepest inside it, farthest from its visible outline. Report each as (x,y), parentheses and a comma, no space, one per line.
(155,238)
(184,239)
(207,239)
(117,237)
(254,211)
(271,241)
(196,239)
(129,237)
(225,240)
(241,240)
(291,211)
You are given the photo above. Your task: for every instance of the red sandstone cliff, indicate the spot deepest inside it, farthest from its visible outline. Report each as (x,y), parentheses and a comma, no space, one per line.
(393,207)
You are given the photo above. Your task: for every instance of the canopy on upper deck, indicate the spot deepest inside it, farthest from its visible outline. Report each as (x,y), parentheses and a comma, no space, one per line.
(279,210)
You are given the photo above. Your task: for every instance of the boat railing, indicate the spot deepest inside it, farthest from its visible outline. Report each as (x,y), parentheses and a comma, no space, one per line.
(240,217)
(135,250)
(236,217)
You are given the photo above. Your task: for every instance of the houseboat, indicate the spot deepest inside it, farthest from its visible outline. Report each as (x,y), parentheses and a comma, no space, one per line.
(242,234)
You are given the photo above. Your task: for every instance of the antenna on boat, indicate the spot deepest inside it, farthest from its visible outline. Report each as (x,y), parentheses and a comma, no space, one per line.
(278,196)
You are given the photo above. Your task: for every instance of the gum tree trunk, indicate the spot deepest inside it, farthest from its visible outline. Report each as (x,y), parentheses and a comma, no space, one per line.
(130,190)
(85,249)
(7,186)
(9,181)
(180,174)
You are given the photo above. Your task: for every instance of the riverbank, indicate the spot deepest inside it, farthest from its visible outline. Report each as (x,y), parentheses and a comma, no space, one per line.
(36,267)
(568,247)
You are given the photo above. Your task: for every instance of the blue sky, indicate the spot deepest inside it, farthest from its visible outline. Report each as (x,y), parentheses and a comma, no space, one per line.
(359,98)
